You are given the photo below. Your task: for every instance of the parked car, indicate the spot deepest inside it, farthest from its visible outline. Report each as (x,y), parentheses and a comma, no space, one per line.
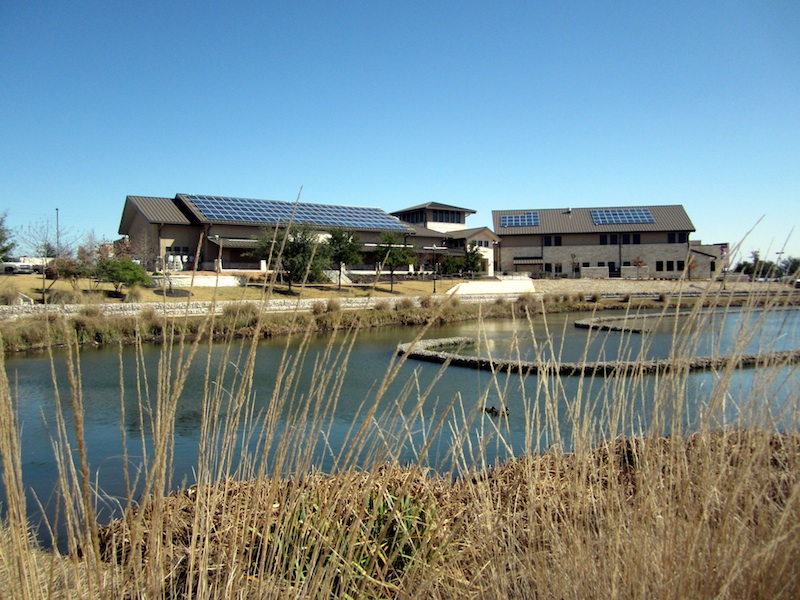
(12,266)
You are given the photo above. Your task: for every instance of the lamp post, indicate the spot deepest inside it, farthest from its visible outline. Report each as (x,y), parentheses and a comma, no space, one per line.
(434,248)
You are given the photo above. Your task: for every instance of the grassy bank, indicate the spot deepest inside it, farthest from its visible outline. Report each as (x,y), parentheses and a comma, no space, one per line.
(619,510)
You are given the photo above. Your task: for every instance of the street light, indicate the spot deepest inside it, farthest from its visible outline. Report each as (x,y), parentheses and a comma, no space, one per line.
(435,264)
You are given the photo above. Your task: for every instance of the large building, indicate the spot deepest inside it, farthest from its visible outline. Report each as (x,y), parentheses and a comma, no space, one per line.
(633,241)
(445,227)
(222,231)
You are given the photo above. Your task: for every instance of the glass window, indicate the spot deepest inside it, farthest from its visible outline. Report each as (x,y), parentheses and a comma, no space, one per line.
(637,238)
(548,240)
(626,238)
(659,265)
(603,239)
(670,265)
(681,265)
(557,240)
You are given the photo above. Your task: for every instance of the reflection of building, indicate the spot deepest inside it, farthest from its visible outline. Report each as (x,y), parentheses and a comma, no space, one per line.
(637,241)
(221,231)
(444,226)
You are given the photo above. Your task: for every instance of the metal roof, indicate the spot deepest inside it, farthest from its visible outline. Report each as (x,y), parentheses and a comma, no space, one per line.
(153,209)
(436,206)
(580,220)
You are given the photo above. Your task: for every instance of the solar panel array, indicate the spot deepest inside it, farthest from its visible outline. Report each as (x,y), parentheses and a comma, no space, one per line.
(248,210)
(617,216)
(529,219)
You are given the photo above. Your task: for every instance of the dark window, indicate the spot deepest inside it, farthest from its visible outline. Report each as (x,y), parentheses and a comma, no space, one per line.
(713,266)
(548,240)
(626,238)
(681,265)
(626,263)
(613,239)
(603,239)
(612,266)
(548,267)
(586,264)
(557,240)
(637,238)
(601,264)
(659,265)
(671,238)
(670,265)
(682,237)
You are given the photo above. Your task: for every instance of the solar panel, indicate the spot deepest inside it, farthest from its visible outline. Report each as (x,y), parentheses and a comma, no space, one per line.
(617,216)
(248,210)
(529,219)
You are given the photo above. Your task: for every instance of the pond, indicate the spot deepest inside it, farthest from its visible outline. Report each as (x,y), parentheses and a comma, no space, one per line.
(427,413)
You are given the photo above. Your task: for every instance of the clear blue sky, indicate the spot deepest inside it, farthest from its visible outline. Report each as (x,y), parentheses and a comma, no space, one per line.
(484,105)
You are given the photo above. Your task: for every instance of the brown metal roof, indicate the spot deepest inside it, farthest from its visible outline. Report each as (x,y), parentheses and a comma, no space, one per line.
(153,209)
(434,205)
(579,220)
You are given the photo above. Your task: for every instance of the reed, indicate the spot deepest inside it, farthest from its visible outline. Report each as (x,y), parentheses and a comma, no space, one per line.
(634,498)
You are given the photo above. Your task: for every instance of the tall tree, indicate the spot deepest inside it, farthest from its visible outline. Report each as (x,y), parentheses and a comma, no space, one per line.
(6,243)
(343,247)
(473,260)
(392,253)
(300,255)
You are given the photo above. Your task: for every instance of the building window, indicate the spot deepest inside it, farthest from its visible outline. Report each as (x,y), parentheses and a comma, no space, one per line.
(637,238)
(548,267)
(670,265)
(671,237)
(601,264)
(626,238)
(585,264)
(612,267)
(681,265)
(557,240)
(603,239)
(626,263)
(659,265)
(559,268)
(612,239)
(548,240)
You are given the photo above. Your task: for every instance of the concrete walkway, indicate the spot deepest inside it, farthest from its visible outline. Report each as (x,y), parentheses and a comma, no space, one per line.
(491,287)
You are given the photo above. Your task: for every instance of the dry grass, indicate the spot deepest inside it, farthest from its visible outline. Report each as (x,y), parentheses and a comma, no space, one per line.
(627,512)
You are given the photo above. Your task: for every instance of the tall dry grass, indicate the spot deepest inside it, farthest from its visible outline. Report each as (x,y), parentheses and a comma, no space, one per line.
(614,509)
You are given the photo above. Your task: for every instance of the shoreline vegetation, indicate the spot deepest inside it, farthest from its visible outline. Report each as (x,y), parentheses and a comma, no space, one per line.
(617,507)
(413,304)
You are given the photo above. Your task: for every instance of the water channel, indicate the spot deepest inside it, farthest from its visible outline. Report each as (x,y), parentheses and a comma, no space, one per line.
(447,426)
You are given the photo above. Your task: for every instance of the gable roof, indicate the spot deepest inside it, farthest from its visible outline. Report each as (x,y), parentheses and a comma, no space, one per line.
(475,231)
(162,211)
(436,206)
(580,220)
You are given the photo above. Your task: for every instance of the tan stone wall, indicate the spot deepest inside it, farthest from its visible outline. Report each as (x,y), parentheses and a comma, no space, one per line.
(586,249)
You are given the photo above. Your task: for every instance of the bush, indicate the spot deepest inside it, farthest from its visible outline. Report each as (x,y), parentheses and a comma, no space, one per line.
(334,305)
(428,302)
(60,296)
(134,294)
(318,308)
(381,305)
(404,304)
(90,311)
(9,296)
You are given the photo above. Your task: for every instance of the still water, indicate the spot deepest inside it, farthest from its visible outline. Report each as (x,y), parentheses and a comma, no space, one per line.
(426,413)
